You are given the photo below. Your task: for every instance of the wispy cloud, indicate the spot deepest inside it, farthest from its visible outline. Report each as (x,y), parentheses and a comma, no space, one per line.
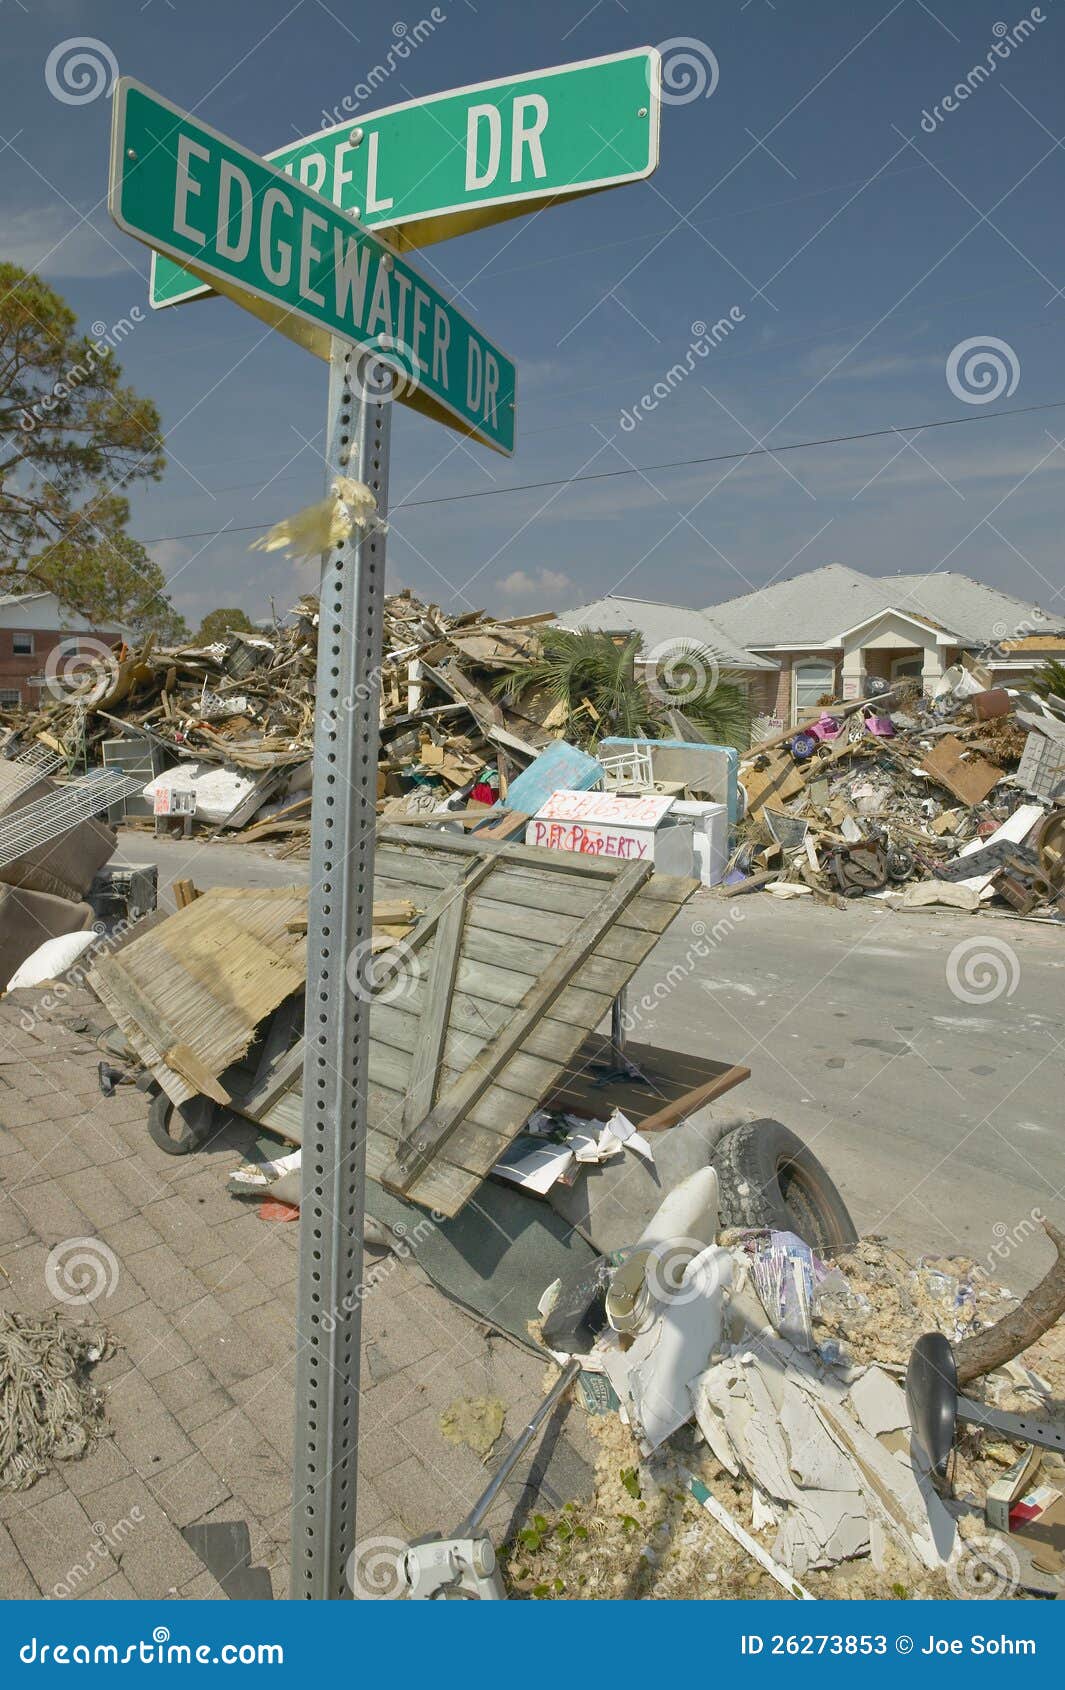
(50,240)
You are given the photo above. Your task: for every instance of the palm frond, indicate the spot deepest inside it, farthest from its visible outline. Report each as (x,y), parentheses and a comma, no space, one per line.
(581,667)
(1050,678)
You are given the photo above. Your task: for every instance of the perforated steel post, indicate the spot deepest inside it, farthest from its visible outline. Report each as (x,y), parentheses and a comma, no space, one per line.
(339,931)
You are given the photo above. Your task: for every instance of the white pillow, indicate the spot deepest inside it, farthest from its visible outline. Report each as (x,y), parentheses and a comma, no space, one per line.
(51,959)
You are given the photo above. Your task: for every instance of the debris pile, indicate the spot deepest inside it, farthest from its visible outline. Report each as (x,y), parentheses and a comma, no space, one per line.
(232,723)
(765,1387)
(952,799)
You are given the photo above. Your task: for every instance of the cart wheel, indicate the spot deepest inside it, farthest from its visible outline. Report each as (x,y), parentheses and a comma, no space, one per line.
(179,1128)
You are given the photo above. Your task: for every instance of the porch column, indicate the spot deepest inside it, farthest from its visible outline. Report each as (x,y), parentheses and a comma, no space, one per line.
(931,667)
(853,679)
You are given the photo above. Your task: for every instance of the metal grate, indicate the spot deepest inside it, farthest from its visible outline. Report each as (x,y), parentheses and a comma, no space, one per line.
(38,824)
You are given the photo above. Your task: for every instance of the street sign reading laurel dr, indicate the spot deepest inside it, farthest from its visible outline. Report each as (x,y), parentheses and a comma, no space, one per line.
(453,162)
(298,262)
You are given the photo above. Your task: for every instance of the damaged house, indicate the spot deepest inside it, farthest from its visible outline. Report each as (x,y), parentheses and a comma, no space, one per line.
(829,630)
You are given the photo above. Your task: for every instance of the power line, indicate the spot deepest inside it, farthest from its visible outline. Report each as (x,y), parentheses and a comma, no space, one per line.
(650,469)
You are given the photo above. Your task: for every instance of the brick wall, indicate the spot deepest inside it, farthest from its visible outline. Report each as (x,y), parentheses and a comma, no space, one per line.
(18,669)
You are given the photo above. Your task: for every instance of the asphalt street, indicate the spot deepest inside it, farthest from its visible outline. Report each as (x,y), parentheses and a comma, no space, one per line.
(919,1054)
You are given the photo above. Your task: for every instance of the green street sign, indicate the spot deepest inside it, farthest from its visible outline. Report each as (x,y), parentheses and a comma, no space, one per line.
(458,161)
(295,260)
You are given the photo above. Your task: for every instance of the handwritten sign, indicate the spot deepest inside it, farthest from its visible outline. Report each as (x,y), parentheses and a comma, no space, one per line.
(612,809)
(589,839)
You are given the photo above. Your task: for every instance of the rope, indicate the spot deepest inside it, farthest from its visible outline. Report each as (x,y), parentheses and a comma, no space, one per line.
(48,1410)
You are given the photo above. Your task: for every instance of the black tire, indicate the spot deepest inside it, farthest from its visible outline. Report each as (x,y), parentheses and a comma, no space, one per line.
(179,1128)
(768,1178)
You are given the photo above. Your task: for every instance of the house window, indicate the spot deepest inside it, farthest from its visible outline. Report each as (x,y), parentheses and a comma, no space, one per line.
(10,698)
(811,681)
(22,645)
(902,667)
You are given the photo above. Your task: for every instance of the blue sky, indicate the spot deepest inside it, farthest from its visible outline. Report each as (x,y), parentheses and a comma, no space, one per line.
(855,248)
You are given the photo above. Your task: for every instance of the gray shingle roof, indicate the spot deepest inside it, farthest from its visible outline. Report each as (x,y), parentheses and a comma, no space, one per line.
(815,607)
(658,624)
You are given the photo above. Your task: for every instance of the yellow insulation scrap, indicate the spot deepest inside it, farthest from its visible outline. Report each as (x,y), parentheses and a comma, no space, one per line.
(317,528)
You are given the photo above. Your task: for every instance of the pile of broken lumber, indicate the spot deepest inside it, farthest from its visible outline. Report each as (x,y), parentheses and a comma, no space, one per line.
(244,706)
(955,799)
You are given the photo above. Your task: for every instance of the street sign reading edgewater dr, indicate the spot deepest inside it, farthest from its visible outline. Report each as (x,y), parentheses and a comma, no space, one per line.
(299,262)
(457,161)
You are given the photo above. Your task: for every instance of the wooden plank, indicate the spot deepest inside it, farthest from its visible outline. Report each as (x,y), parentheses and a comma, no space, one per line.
(270,1084)
(185,1062)
(432,1030)
(143,1015)
(536,937)
(690,1101)
(476,1146)
(421,1146)
(444,1191)
(396,1024)
(510,823)
(515,884)
(525,1078)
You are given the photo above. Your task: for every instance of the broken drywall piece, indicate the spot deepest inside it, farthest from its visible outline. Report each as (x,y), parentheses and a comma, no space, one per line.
(763,1513)
(816,1461)
(749,1405)
(879,1402)
(911,1511)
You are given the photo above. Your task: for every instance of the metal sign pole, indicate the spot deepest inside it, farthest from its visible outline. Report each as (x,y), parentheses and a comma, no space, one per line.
(339,933)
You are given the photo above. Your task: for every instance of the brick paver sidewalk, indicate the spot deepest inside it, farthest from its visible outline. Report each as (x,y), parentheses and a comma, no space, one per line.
(199,1295)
